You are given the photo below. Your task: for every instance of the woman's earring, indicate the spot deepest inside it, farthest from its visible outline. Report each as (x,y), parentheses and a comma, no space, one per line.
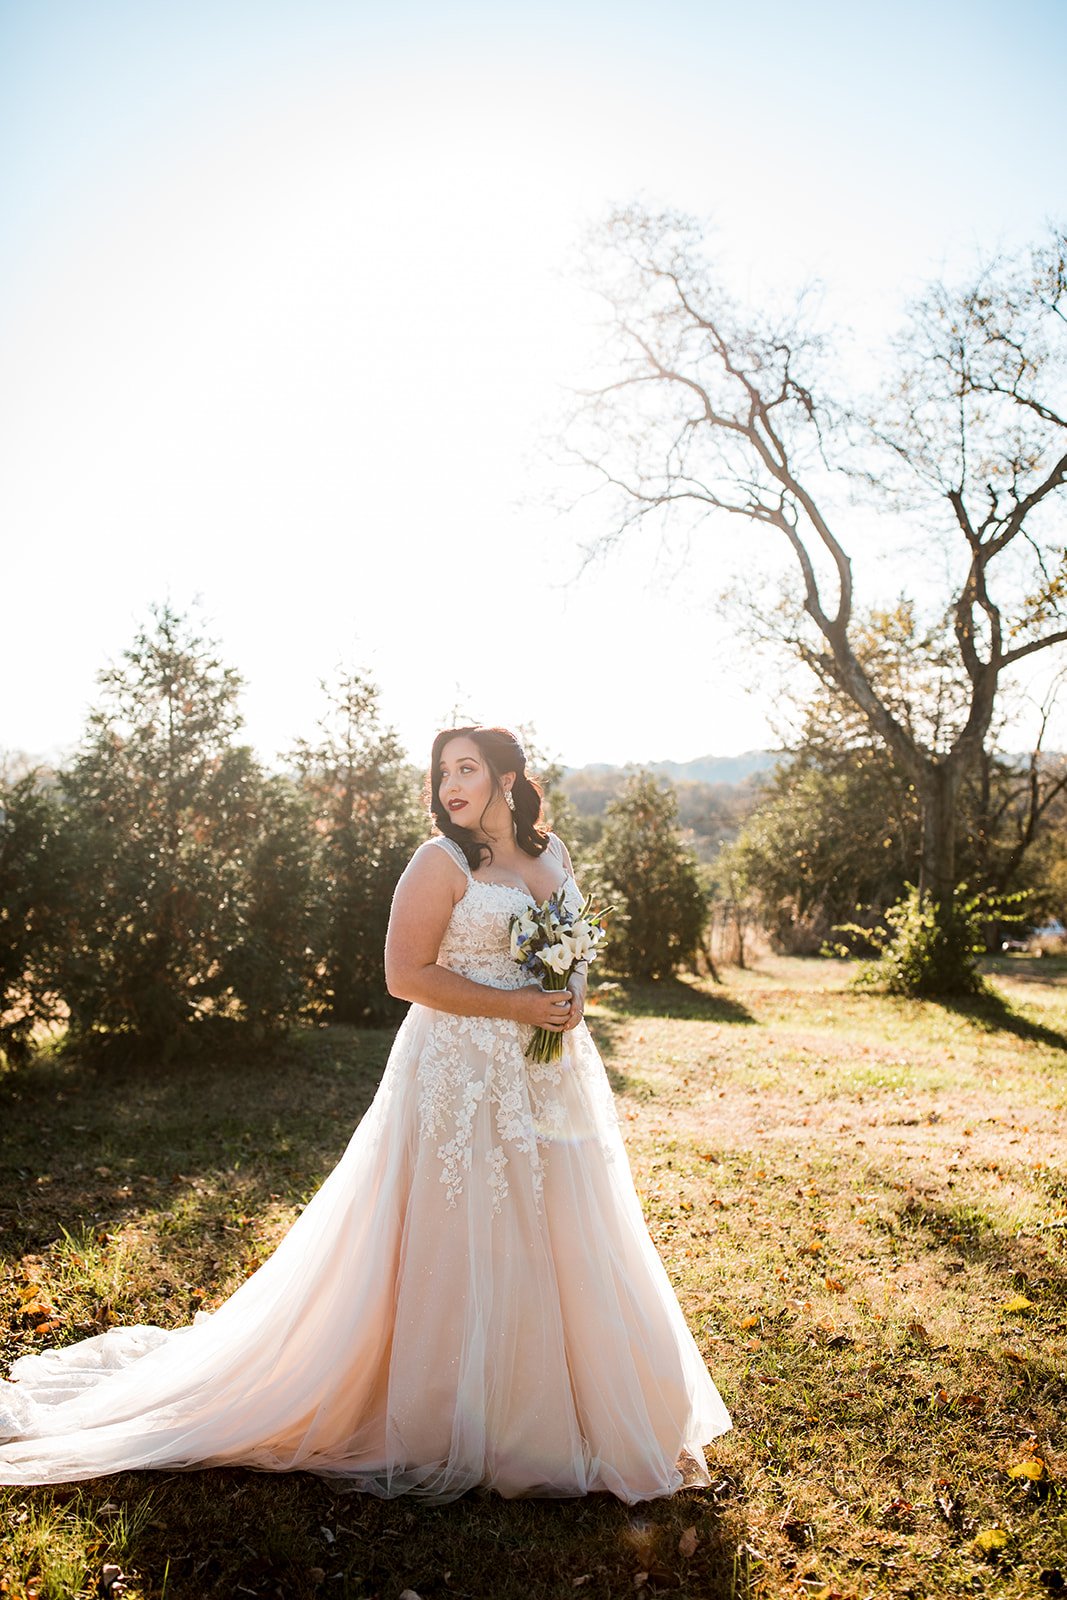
(508,798)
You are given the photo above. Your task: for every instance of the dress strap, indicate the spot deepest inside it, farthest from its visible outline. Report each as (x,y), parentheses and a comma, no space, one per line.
(453,850)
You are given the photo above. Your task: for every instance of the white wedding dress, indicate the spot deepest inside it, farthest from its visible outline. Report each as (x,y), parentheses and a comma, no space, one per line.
(471,1297)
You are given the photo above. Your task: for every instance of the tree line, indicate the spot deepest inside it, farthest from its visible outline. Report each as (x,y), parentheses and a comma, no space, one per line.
(164,885)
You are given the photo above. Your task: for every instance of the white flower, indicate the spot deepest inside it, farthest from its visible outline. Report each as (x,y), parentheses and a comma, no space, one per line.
(584,940)
(557,958)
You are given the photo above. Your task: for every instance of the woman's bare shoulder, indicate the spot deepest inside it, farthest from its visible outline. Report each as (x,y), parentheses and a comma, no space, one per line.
(436,861)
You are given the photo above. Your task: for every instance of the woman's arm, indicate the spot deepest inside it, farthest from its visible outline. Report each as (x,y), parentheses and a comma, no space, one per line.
(428,889)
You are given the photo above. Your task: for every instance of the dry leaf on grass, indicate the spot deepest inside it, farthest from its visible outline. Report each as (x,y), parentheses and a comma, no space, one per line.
(688,1542)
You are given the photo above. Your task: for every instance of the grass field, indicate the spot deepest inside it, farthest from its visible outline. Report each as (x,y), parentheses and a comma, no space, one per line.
(862,1204)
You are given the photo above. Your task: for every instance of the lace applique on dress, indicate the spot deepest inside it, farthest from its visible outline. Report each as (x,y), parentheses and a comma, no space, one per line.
(474,1067)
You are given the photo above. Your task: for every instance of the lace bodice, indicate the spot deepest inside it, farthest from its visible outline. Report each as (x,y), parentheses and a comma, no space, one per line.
(477,941)
(473,1068)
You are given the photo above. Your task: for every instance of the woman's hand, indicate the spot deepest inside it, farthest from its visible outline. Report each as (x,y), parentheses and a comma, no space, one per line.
(576,987)
(543,1008)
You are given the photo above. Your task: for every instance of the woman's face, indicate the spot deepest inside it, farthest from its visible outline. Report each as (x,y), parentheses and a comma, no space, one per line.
(466,785)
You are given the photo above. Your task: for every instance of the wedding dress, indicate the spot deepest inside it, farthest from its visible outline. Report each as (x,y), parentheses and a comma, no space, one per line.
(471,1297)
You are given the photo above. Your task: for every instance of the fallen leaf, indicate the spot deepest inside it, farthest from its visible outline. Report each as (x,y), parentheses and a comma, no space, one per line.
(750,1322)
(1018,1302)
(990,1540)
(687,1544)
(36,1309)
(1034,1469)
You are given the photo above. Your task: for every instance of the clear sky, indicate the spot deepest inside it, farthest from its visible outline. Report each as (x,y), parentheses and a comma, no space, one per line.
(285,311)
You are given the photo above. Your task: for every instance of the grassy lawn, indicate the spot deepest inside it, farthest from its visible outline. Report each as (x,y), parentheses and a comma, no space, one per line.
(861,1202)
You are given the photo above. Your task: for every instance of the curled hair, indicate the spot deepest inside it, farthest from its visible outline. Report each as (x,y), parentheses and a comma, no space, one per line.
(501,752)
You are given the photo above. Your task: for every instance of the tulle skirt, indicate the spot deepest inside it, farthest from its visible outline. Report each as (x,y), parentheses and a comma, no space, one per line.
(486,1309)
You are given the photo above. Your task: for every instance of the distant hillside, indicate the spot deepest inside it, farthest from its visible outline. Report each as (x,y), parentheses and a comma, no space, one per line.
(704,769)
(715,795)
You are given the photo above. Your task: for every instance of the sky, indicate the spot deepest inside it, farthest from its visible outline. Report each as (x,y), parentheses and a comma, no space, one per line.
(288,315)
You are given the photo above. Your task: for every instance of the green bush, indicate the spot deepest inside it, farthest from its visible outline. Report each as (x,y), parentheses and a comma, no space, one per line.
(651,878)
(189,889)
(32,889)
(929,948)
(362,799)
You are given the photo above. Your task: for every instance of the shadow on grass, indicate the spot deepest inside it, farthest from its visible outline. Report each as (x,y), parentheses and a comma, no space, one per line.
(678,999)
(79,1141)
(964,1232)
(617,1004)
(294,1535)
(992,1014)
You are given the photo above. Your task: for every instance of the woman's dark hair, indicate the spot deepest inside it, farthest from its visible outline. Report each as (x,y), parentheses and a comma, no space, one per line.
(501,752)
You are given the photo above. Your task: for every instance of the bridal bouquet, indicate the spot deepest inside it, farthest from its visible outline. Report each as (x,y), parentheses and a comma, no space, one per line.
(548,943)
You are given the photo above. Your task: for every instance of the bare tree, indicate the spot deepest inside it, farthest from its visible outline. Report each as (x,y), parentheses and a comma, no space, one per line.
(709,412)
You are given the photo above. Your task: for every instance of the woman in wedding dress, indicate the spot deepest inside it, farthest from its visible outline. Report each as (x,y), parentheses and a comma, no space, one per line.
(472,1296)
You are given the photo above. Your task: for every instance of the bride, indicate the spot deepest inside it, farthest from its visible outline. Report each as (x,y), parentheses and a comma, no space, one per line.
(472,1296)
